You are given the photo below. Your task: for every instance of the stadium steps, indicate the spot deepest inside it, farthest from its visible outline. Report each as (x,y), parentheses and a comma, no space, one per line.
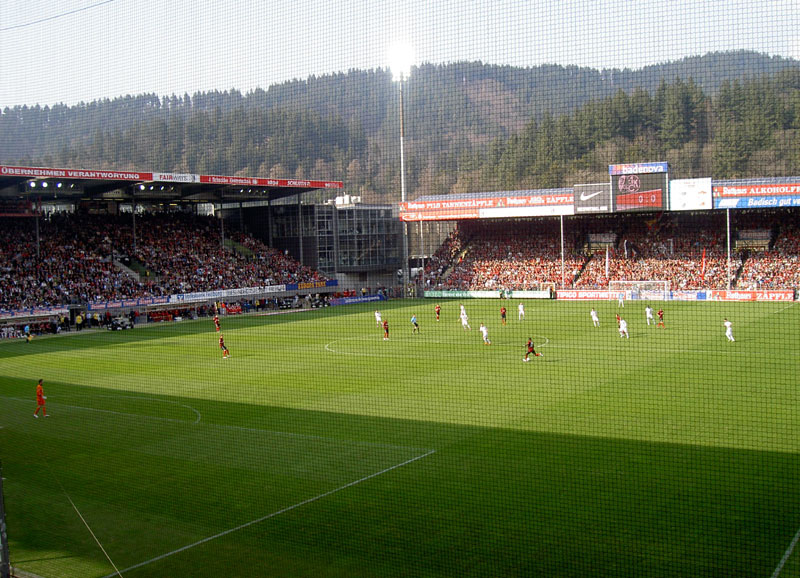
(456,261)
(738,272)
(583,267)
(137,270)
(239,249)
(127,270)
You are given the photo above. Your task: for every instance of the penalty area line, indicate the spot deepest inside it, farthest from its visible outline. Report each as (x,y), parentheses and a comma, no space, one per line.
(273,514)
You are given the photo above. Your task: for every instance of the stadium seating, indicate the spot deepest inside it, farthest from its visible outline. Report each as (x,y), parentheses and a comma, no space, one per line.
(179,252)
(689,250)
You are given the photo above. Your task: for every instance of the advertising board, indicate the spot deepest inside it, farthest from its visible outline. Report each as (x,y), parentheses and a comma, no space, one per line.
(759,295)
(690,194)
(582,294)
(592,198)
(547,202)
(774,195)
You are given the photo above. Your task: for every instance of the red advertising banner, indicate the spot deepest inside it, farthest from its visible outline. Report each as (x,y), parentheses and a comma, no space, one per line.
(440,215)
(550,203)
(778,295)
(45,173)
(582,294)
(112,175)
(758,190)
(259,182)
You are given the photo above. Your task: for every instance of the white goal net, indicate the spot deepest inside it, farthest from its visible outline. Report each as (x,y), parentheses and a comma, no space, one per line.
(639,290)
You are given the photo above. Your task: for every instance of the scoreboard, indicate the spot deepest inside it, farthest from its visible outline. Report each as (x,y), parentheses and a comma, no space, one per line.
(639,187)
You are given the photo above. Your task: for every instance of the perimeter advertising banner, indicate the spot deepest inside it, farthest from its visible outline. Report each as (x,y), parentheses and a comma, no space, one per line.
(765,295)
(690,194)
(582,294)
(33,312)
(757,196)
(519,204)
(463,294)
(639,187)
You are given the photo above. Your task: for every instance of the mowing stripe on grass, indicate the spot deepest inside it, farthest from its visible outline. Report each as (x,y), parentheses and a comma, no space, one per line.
(221,426)
(273,514)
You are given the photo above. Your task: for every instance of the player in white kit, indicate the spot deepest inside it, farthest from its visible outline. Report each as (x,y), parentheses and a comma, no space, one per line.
(520,312)
(595,319)
(728,330)
(485,334)
(623,329)
(648,314)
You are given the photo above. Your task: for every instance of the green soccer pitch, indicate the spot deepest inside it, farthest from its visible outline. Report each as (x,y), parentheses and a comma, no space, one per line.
(320,449)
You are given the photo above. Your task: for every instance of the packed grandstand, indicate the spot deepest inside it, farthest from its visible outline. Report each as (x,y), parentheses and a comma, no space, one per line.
(689,250)
(85,258)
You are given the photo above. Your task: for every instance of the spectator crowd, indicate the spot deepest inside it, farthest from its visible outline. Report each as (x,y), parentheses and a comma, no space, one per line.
(78,258)
(688,250)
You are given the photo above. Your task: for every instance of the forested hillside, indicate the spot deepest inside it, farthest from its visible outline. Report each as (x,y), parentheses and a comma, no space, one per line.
(469,126)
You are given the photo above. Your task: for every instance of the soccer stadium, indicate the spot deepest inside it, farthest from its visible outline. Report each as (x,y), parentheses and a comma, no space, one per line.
(471,313)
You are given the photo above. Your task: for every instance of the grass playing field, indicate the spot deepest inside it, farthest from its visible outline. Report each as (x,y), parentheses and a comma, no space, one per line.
(319,449)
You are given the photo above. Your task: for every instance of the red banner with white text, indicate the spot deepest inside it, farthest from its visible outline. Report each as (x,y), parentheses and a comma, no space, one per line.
(765,295)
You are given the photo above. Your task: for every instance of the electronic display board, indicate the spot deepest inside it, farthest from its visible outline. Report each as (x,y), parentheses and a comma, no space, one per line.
(639,187)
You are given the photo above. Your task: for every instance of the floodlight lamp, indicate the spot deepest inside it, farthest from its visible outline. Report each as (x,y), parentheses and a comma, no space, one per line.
(58,185)
(33,184)
(44,184)
(401,57)
(141,187)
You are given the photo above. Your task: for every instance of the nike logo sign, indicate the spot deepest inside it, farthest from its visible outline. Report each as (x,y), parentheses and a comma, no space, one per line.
(587,196)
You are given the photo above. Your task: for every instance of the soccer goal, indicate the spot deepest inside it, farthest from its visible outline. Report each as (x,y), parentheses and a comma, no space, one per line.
(650,290)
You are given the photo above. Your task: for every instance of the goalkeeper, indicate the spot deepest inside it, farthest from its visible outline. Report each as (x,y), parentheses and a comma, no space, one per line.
(40,399)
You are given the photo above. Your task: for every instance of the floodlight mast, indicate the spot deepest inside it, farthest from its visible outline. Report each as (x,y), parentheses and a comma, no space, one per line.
(400,58)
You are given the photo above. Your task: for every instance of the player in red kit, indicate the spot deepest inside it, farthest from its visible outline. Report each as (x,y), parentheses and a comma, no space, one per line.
(438,310)
(40,397)
(618,319)
(503,314)
(216,322)
(660,317)
(385,330)
(225,353)
(529,349)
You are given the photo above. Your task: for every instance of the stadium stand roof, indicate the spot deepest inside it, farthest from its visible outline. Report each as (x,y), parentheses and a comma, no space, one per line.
(42,184)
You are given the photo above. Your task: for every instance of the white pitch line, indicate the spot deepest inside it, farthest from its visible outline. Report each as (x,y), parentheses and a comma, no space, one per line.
(786,555)
(197,413)
(234,427)
(136,415)
(785,308)
(273,514)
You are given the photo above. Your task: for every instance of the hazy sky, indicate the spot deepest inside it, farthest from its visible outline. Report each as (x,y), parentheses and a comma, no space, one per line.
(80,50)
